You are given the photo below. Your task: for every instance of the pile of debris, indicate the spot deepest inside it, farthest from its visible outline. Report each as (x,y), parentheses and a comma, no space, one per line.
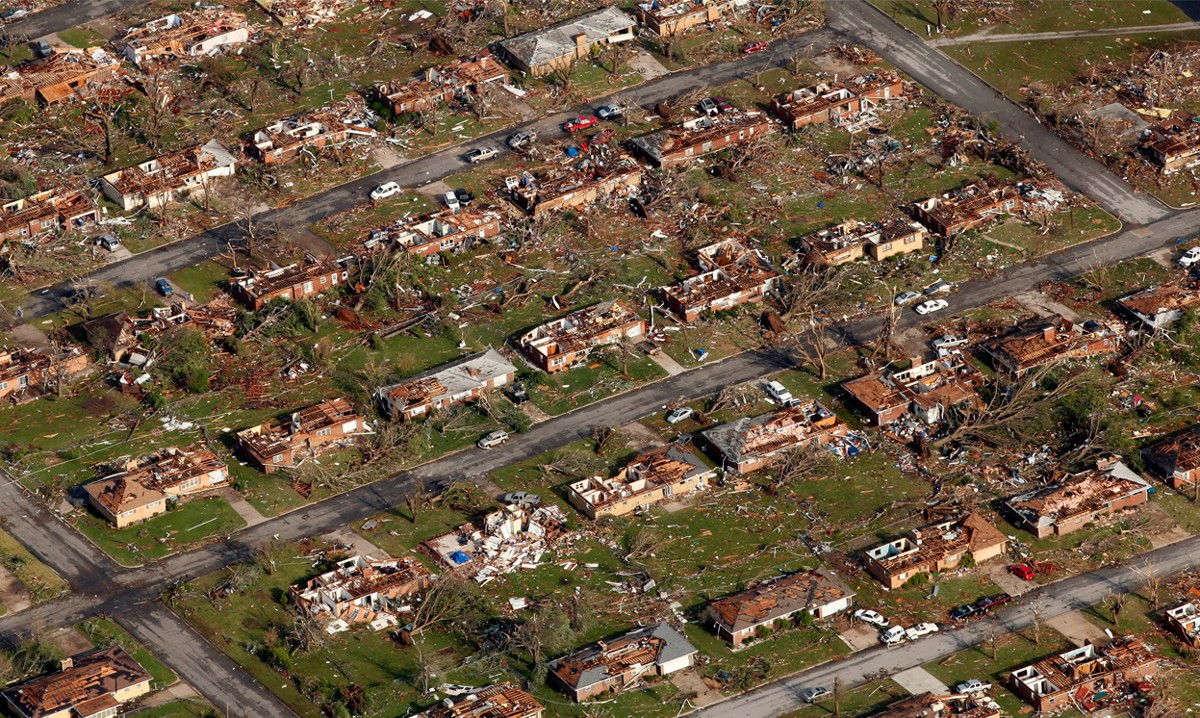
(511,538)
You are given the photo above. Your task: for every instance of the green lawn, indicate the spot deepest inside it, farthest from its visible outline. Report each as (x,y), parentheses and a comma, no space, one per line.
(104,633)
(1012,651)
(1048,16)
(39,579)
(194,521)
(82,37)
(192,708)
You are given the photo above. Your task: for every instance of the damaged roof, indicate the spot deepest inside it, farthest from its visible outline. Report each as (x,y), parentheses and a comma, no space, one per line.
(632,653)
(504,700)
(807,590)
(793,426)
(1076,494)
(450,380)
(551,43)
(93,679)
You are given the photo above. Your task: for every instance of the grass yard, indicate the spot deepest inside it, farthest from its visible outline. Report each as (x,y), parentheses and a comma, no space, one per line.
(104,633)
(191,708)
(192,522)
(862,701)
(1049,16)
(1012,651)
(39,579)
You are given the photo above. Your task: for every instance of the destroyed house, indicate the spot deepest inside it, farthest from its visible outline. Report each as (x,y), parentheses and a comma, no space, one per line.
(929,389)
(1037,342)
(25,373)
(468,74)
(125,338)
(748,445)
(1184,621)
(933,548)
(847,242)
(701,136)
(968,207)
(61,76)
(1160,307)
(619,664)
(360,591)
(330,126)
(1068,503)
(94,684)
(291,283)
(1083,677)
(667,19)
(181,35)
(145,486)
(930,705)
(558,188)
(731,274)
(303,13)
(49,211)
(165,179)
(816,592)
(1174,145)
(404,97)
(567,342)
(835,102)
(661,474)
(1176,459)
(504,700)
(432,234)
(449,385)
(307,433)
(510,538)
(547,49)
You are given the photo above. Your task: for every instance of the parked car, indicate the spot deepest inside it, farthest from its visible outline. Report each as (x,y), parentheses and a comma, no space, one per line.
(754,46)
(517,394)
(41,48)
(492,440)
(164,287)
(523,498)
(385,190)
(450,200)
(108,242)
(987,603)
(708,106)
(681,414)
(875,618)
(939,287)
(812,695)
(906,297)
(457,689)
(480,154)
(722,104)
(778,392)
(974,685)
(961,613)
(464,197)
(580,123)
(522,139)
(13,14)
(1190,257)
(892,636)
(948,341)
(609,112)
(1022,571)
(921,629)
(931,306)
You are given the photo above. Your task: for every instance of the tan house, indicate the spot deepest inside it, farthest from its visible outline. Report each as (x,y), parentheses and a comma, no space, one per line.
(850,240)
(360,591)
(936,547)
(547,49)
(568,342)
(1174,144)
(25,373)
(655,650)
(1176,459)
(504,700)
(701,136)
(64,75)
(286,139)
(654,476)
(180,35)
(667,19)
(292,283)
(818,593)
(1038,342)
(94,684)
(747,445)
(145,486)
(1160,307)
(836,102)
(731,274)
(53,210)
(170,177)
(556,188)
(458,382)
(433,234)
(1085,678)
(308,432)
(968,207)
(928,390)
(1069,503)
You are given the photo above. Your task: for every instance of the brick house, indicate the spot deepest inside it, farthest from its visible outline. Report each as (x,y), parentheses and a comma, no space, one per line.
(701,136)
(1176,460)
(850,240)
(1038,342)
(731,274)
(547,49)
(819,593)
(747,445)
(64,75)
(1160,307)
(292,283)
(504,700)
(185,34)
(93,684)
(360,591)
(458,382)
(145,487)
(1069,503)
(568,341)
(936,547)
(556,188)
(835,102)
(53,210)
(655,650)
(308,432)
(24,373)
(432,234)
(285,139)
(168,178)
(927,390)
(1174,144)
(667,19)
(968,207)
(1083,677)
(654,476)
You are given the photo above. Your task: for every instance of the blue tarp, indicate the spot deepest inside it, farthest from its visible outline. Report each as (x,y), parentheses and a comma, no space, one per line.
(459,558)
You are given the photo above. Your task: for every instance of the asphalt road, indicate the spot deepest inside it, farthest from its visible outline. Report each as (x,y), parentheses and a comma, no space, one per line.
(860,20)
(148,266)
(66,16)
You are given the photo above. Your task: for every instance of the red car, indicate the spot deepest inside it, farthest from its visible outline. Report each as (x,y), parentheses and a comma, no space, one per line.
(1022,571)
(579,123)
(755,46)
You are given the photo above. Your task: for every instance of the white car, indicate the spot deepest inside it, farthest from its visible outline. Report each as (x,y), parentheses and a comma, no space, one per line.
(973,685)
(492,440)
(385,190)
(874,618)
(778,392)
(451,201)
(906,297)
(892,636)
(479,154)
(1190,257)
(921,629)
(609,112)
(948,341)
(682,413)
(933,305)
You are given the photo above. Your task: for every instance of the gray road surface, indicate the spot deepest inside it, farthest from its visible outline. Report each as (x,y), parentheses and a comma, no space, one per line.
(66,16)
